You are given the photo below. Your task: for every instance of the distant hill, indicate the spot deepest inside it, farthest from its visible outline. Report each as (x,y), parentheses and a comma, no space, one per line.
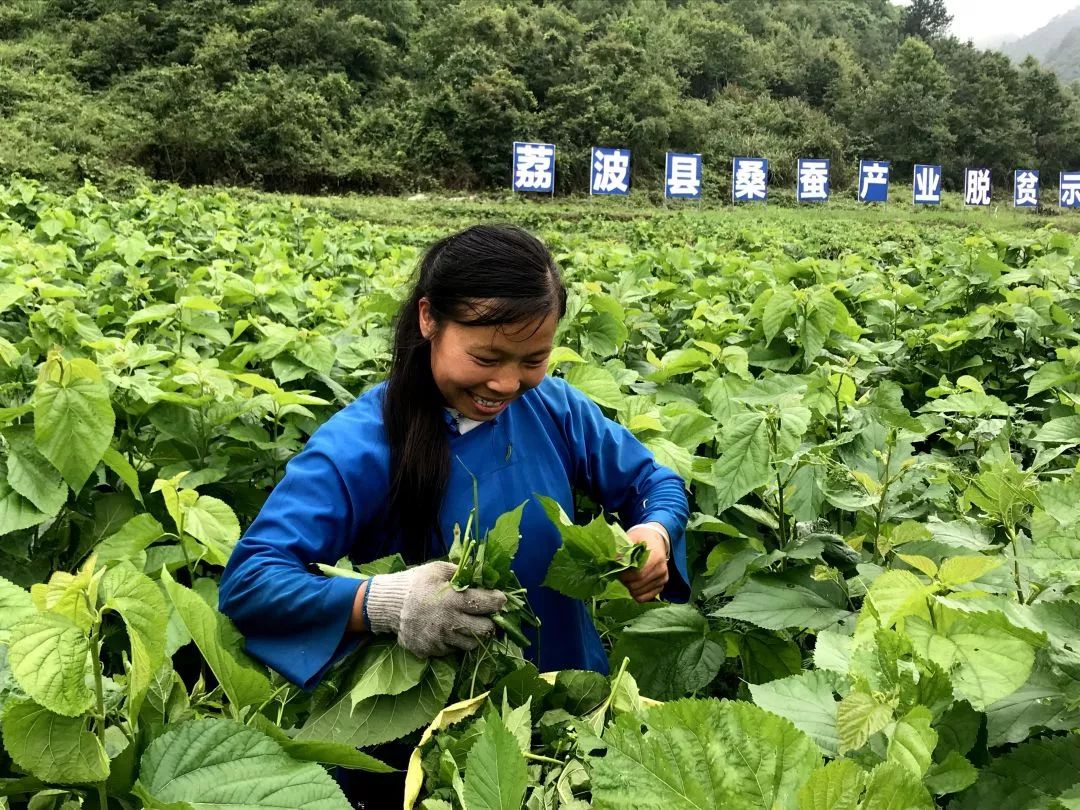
(1056,45)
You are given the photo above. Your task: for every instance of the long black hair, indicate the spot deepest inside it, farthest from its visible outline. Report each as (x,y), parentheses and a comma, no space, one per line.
(515,277)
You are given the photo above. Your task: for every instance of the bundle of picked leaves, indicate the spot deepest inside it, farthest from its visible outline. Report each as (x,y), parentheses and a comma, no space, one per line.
(485,563)
(384,692)
(591,557)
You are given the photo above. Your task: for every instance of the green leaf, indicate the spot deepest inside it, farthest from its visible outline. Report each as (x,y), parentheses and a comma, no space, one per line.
(118,463)
(832,651)
(597,384)
(912,741)
(920,563)
(243,680)
(132,538)
(794,422)
(897,594)
(672,456)
(969,403)
(837,786)
(743,465)
(678,361)
(807,701)
(891,787)
(781,304)
(16,512)
(791,599)
(51,747)
(384,565)
(386,668)
(345,756)
(590,556)
(1028,776)
(953,774)
(1055,530)
(563,354)
(823,311)
(859,716)
(15,605)
(983,652)
(1046,700)
(73,417)
(767,657)
(382,718)
(316,352)
(702,754)
(579,691)
(1064,430)
(671,652)
(1050,375)
(73,596)
(965,534)
(213,523)
(495,773)
(886,407)
(501,545)
(152,314)
(959,570)
(31,475)
(218,764)
(50,659)
(140,604)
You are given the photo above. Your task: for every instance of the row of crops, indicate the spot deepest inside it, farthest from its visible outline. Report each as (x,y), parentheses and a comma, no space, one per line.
(878,428)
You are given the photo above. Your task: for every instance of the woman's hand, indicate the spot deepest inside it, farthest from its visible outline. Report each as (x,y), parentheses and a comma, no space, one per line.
(428,616)
(646,583)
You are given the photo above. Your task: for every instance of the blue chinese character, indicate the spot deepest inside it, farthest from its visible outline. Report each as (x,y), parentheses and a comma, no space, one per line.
(1069,190)
(749,179)
(927,188)
(610,171)
(813,182)
(534,166)
(1025,188)
(873,181)
(682,177)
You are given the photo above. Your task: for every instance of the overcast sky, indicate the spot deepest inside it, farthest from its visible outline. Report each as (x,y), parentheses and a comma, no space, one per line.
(990,21)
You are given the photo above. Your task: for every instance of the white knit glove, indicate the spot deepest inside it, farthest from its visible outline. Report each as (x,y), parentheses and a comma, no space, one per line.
(429,617)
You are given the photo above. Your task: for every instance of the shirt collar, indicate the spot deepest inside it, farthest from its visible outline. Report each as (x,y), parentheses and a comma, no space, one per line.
(455,421)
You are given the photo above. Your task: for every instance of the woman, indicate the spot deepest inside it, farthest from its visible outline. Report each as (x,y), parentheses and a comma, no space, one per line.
(467,396)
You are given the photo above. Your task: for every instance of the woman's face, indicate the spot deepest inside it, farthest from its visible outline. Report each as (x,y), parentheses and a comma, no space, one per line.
(482,369)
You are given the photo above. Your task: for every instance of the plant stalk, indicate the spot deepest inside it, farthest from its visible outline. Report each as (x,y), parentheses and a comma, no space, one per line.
(880,509)
(1014,542)
(99,720)
(541,758)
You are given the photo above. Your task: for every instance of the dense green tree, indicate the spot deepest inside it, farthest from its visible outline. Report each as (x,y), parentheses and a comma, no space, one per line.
(907,112)
(926,19)
(985,110)
(1051,114)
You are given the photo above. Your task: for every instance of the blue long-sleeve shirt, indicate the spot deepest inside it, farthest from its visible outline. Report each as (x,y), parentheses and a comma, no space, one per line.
(550,441)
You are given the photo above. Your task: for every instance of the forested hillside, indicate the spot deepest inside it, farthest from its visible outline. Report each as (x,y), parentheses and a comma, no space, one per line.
(1056,45)
(396,95)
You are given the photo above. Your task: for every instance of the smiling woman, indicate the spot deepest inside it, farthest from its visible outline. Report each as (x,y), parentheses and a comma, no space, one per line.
(467,427)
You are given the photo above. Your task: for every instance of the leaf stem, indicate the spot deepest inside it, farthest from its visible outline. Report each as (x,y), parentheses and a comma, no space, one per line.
(1014,542)
(99,719)
(879,511)
(541,758)
(183,548)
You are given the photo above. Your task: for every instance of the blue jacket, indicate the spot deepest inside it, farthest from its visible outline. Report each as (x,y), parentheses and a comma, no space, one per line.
(550,441)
